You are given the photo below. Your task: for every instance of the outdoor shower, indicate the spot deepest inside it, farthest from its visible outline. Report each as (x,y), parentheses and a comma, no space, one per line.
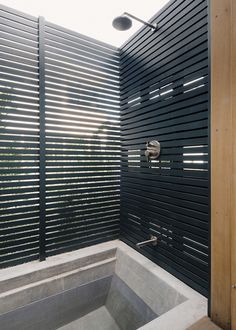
(98,116)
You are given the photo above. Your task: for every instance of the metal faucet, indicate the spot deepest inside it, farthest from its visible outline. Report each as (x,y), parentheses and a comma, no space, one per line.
(152,240)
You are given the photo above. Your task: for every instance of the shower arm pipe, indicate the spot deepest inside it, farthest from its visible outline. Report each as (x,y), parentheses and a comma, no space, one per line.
(140,20)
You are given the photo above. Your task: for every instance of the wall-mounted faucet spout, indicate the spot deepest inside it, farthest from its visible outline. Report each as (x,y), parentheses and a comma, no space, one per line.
(152,240)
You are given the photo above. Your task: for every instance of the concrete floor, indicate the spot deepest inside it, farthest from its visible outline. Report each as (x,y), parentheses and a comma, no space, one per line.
(100,319)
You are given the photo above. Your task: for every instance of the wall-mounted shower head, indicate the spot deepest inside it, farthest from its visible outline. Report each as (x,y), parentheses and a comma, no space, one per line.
(123,22)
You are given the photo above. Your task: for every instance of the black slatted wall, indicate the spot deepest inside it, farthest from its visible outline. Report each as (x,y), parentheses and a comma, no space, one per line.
(82,140)
(59,139)
(164,97)
(19,138)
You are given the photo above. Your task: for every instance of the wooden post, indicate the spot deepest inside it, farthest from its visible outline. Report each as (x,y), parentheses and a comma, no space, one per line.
(233,217)
(223,162)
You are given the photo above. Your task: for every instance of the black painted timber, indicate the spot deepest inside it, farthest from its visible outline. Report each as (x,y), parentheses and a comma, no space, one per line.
(165,97)
(60,141)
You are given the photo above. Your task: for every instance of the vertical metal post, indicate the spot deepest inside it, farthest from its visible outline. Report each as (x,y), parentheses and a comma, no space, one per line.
(42,178)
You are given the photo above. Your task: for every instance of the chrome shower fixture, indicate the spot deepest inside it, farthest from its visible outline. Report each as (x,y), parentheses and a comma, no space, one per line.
(123,22)
(153,150)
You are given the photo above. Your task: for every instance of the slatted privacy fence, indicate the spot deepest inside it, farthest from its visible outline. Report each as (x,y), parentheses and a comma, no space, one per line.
(82,140)
(60,97)
(164,97)
(19,138)
(59,139)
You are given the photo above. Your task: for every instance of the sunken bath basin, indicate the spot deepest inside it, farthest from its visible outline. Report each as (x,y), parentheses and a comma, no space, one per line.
(108,286)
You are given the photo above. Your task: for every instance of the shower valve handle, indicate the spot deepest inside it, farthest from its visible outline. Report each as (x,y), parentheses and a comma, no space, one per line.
(153,150)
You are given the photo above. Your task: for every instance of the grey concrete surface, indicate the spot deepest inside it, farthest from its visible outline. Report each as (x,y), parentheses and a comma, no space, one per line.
(58,310)
(181,316)
(35,291)
(100,319)
(47,295)
(128,309)
(155,291)
(22,275)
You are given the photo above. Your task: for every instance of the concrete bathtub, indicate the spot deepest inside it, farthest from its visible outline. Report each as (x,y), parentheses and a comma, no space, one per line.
(108,286)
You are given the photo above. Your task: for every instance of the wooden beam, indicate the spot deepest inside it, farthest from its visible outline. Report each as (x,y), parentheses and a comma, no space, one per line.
(223,162)
(233,214)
